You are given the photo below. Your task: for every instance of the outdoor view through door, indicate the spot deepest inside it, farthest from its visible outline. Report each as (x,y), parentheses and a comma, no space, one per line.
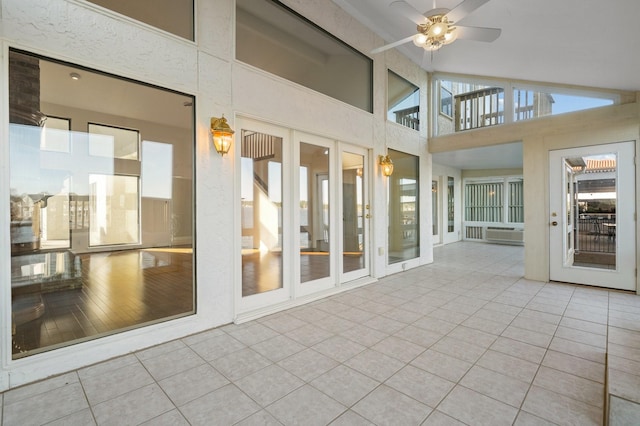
(591,220)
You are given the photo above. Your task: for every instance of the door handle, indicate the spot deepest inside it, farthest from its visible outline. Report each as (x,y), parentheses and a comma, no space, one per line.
(554,223)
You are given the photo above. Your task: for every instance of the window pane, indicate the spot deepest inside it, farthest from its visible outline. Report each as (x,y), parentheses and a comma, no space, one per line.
(403,102)
(532,104)
(261,220)
(516,201)
(273,38)
(353,211)
(174,16)
(465,106)
(404,235)
(314,206)
(91,255)
(450,204)
(483,202)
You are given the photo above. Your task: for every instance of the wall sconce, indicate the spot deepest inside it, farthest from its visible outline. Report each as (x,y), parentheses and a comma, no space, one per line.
(222,134)
(386,164)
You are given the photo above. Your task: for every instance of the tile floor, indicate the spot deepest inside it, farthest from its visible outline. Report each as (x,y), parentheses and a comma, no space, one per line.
(465,340)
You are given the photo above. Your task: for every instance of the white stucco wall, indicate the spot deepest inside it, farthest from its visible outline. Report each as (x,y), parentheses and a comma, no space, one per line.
(81,33)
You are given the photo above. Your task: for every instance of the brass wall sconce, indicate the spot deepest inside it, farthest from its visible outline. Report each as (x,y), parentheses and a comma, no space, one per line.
(386,164)
(222,134)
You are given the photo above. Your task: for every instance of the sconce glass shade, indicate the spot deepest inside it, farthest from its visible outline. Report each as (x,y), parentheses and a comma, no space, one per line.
(222,134)
(386,164)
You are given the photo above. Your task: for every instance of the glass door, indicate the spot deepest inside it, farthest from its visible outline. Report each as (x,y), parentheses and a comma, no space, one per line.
(316,213)
(355,214)
(263,213)
(591,218)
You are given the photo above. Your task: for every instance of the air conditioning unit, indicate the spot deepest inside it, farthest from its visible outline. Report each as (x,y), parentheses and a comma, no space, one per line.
(505,235)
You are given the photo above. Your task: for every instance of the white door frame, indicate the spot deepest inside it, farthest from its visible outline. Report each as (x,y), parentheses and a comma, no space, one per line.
(560,251)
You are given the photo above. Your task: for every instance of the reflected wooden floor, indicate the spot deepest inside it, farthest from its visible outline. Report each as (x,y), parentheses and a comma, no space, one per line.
(120,290)
(263,272)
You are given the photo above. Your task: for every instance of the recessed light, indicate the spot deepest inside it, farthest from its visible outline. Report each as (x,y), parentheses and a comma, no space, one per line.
(74,76)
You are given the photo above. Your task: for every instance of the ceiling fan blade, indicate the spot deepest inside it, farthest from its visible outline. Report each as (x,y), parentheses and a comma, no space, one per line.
(405,9)
(478,33)
(463,9)
(391,45)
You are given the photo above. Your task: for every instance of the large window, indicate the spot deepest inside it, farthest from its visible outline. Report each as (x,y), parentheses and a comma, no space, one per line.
(101,230)
(403,101)
(272,37)
(404,226)
(496,200)
(174,16)
(468,103)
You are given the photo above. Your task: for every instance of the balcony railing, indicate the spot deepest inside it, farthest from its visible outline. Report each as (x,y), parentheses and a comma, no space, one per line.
(480,108)
(409,117)
(596,233)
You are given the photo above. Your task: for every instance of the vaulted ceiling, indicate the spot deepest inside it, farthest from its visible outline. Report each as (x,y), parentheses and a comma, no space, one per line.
(590,43)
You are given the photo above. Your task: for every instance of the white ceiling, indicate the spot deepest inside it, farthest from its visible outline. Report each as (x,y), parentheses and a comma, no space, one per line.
(592,43)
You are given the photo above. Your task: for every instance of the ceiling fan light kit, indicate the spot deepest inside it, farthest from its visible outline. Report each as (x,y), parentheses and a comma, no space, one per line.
(439,27)
(435,33)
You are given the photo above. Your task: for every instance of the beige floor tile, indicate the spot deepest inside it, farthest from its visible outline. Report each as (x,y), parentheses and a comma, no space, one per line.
(278,348)
(135,407)
(386,406)
(217,346)
(534,324)
(283,323)
(571,386)
(580,350)
(526,419)
(420,385)
(404,315)
(309,335)
(442,365)
(574,365)
(485,325)
(560,409)
(623,337)
(460,349)
(345,385)
(438,418)
(527,336)
(103,387)
(474,408)
(171,418)
(503,308)
(495,385)
(399,349)
(473,336)
(308,364)
(83,417)
(540,316)
(191,384)
(591,327)
(449,313)
(519,349)
(580,336)
(419,336)
(171,363)
(255,333)
(436,325)
(622,364)
(44,407)
(384,324)
(623,413)
(511,366)
(240,364)
(162,349)
(500,317)
(350,418)
(364,335)
(624,385)
(375,364)
(108,366)
(339,348)
(269,384)
(356,315)
(307,406)
(262,418)
(38,388)
(226,405)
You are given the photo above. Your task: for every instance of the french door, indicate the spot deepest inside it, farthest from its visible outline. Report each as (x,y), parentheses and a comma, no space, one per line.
(592,224)
(303,215)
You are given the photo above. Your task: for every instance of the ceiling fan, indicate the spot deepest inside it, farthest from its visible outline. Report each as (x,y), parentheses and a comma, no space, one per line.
(438,27)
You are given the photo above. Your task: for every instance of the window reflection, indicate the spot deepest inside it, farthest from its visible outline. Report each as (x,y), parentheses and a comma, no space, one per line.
(404,235)
(91,254)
